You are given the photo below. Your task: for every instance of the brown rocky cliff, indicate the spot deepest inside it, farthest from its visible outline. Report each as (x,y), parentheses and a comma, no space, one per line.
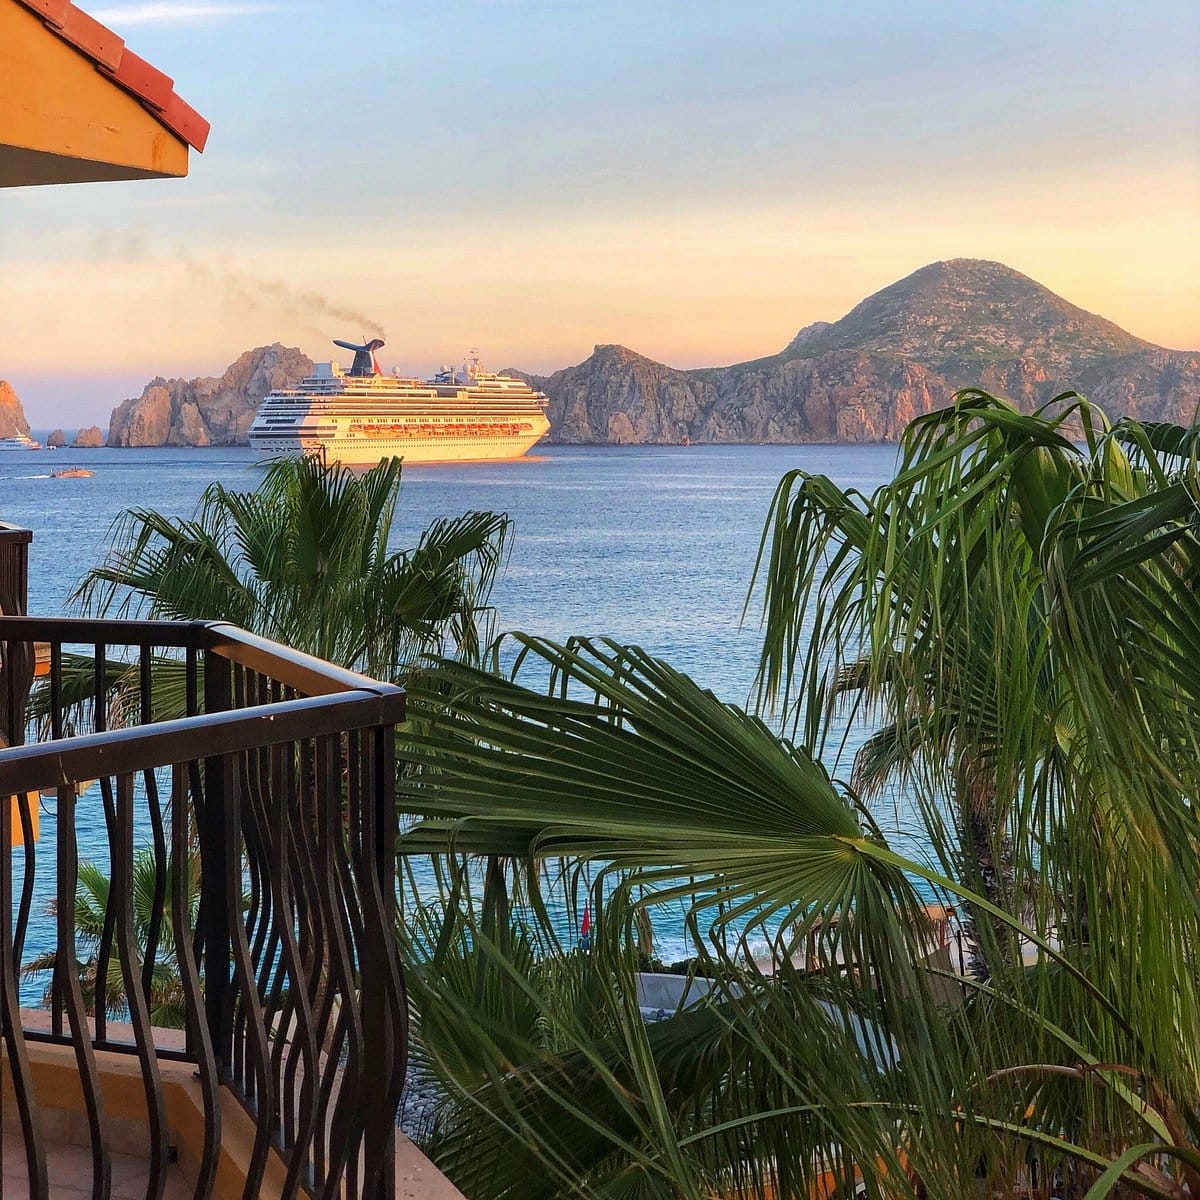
(89,438)
(903,351)
(207,411)
(622,397)
(12,415)
(617,396)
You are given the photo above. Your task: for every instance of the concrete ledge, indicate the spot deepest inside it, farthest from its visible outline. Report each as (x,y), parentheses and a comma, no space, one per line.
(661,991)
(59,1093)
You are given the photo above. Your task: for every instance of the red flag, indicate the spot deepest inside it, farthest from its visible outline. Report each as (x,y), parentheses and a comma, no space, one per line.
(585,926)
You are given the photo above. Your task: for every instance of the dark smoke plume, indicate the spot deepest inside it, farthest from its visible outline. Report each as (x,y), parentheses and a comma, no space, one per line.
(302,307)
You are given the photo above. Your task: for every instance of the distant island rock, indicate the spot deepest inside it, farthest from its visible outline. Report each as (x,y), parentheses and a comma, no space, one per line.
(88,439)
(901,352)
(12,415)
(207,411)
(57,440)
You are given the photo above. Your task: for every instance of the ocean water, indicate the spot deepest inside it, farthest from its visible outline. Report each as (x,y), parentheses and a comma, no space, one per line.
(651,545)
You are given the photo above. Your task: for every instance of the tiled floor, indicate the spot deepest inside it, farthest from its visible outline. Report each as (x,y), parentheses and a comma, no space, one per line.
(70,1170)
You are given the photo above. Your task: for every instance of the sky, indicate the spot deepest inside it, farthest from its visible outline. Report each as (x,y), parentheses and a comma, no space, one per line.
(532,177)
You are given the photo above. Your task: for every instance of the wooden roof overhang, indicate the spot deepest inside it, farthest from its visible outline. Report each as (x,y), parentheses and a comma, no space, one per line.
(76,106)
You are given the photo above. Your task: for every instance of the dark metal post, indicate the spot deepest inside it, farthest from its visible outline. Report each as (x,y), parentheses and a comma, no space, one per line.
(384,1007)
(16,658)
(14,569)
(213,916)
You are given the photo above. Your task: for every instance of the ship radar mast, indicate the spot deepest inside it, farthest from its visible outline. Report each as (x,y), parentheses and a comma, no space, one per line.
(365,362)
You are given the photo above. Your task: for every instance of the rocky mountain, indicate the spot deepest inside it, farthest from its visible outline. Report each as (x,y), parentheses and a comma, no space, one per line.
(56,440)
(901,352)
(89,438)
(207,411)
(12,415)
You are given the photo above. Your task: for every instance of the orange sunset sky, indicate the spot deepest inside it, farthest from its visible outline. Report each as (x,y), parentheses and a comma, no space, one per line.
(694,180)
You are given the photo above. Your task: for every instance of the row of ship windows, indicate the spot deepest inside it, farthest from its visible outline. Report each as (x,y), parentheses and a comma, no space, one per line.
(416,409)
(371,429)
(466,441)
(290,443)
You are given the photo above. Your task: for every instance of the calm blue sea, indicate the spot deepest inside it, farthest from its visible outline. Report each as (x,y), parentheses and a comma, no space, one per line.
(651,545)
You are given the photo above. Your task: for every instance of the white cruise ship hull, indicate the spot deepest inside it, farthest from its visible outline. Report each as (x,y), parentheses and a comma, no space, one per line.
(361,417)
(367,451)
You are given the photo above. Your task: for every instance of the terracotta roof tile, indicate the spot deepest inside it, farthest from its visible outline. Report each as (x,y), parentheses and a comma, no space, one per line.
(97,41)
(180,117)
(147,83)
(130,71)
(53,11)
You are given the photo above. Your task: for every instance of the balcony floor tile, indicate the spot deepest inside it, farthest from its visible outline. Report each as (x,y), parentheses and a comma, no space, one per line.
(71,1174)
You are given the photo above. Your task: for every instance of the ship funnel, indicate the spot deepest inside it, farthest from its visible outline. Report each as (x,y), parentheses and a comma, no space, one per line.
(365,362)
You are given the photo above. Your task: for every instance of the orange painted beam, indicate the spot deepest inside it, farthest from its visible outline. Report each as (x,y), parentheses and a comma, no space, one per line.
(62,120)
(28,802)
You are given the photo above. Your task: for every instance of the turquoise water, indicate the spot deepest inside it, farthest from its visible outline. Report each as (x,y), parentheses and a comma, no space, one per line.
(650,545)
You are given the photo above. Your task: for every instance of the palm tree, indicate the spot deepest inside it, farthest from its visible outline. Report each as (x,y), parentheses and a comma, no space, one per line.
(670,795)
(1025,611)
(304,559)
(931,616)
(165,999)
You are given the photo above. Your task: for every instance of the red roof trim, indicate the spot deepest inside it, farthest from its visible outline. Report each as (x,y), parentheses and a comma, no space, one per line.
(181,118)
(53,11)
(97,41)
(148,83)
(130,71)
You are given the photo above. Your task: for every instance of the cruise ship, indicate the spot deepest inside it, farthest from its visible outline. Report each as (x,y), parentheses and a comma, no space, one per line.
(361,416)
(19,441)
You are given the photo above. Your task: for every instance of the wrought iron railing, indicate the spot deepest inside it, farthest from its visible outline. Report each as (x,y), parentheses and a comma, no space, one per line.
(250,788)
(14,567)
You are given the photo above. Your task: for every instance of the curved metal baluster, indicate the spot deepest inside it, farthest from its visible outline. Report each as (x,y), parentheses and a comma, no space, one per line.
(333,1080)
(255,769)
(311,925)
(17,664)
(104,946)
(344,1135)
(20,1076)
(243,973)
(28,873)
(121,903)
(56,732)
(157,833)
(240,913)
(346,850)
(67,966)
(384,994)
(191,676)
(189,977)
(301,1130)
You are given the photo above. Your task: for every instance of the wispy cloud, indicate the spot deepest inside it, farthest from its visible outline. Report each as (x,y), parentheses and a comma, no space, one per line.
(164,12)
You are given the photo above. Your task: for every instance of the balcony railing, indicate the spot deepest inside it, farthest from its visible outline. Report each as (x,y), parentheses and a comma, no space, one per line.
(249,791)
(14,567)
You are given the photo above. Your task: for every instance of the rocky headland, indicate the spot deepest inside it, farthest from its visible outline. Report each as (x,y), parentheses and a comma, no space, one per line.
(903,351)
(57,440)
(208,411)
(12,415)
(91,437)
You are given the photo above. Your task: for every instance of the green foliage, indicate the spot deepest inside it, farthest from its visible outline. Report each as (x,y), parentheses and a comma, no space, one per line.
(166,998)
(304,559)
(632,787)
(1021,614)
